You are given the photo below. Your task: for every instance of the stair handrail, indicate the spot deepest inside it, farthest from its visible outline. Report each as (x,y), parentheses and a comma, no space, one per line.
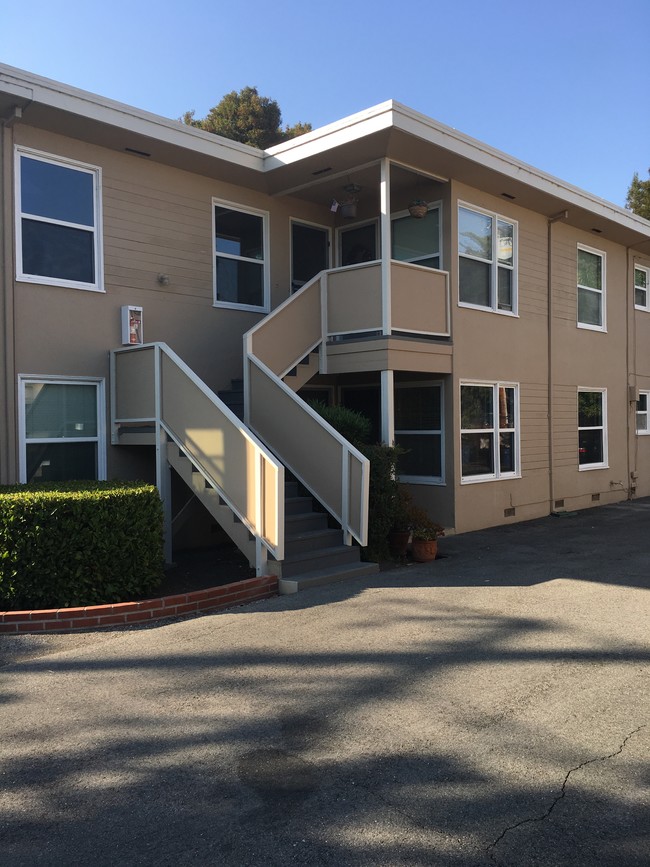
(268,472)
(351,507)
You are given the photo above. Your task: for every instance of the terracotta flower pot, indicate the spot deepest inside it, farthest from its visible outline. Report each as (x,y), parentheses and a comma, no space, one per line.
(424,550)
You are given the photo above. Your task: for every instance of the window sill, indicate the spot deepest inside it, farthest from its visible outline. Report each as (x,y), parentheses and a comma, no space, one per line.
(587,467)
(229,305)
(585,327)
(481,479)
(467,306)
(421,480)
(53,281)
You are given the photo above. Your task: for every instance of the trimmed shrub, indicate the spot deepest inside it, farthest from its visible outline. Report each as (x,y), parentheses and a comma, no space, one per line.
(71,544)
(352,425)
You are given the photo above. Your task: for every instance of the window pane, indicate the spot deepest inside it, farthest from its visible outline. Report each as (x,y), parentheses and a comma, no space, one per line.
(589,307)
(50,250)
(477,454)
(474,282)
(423,457)
(239,234)
(640,297)
(358,245)
(58,462)
(590,409)
(413,238)
(590,446)
(417,408)
(590,269)
(57,192)
(642,403)
(54,410)
(240,282)
(507,452)
(640,278)
(428,262)
(476,407)
(506,407)
(505,233)
(505,289)
(642,421)
(474,234)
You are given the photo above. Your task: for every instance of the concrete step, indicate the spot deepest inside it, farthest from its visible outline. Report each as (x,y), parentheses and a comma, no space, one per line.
(310,540)
(302,522)
(321,577)
(319,559)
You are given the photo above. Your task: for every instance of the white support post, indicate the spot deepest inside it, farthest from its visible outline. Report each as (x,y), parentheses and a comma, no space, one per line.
(345,497)
(246,377)
(163,470)
(387,407)
(384,191)
(322,352)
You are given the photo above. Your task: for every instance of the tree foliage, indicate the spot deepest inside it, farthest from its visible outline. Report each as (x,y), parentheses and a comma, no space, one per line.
(247,117)
(638,196)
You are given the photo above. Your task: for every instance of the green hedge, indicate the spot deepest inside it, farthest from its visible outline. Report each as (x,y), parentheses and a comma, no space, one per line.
(80,543)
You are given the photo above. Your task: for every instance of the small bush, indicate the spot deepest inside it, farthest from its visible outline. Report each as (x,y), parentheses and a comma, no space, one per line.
(352,425)
(79,543)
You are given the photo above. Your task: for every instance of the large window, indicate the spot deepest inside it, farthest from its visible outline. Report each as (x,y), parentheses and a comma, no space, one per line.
(641,286)
(642,426)
(592,428)
(487,261)
(418,430)
(62,430)
(241,278)
(417,240)
(489,414)
(591,289)
(58,222)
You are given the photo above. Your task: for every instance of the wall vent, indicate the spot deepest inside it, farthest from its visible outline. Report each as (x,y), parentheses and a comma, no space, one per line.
(508,513)
(595,498)
(559,504)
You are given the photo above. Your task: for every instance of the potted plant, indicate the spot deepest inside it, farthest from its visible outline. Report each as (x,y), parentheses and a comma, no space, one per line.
(418,208)
(425,536)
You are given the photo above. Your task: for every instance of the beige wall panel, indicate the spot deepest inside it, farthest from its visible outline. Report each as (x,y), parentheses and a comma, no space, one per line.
(284,339)
(354,300)
(419,300)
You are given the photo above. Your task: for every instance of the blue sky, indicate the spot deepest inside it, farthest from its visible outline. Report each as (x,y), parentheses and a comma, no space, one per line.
(561,85)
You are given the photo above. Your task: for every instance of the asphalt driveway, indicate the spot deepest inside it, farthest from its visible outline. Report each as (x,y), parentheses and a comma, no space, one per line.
(489,708)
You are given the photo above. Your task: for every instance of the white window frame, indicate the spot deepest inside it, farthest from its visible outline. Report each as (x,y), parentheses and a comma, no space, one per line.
(98,284)
(100,439)
(426,480)
(602,291)
(400,215)
(604,464)
(494,262)
(643,413)
(646,271)
(494,431)
(233,305)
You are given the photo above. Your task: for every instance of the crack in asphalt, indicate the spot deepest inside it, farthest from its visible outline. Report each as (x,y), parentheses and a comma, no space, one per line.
(560,796)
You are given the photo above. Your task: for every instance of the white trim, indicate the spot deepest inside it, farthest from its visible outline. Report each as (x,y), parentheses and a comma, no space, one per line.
(96,229)
(265,262)
(604,464)
(602,291)
(100,439)
(494,431)
(494,264)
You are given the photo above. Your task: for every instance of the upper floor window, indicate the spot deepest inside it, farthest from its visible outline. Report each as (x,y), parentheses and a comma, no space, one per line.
(642,426)
(417,240)
(591,289)
(241,272)
(641,286)
(489,420)
(57,221)
(487,261)
(592,428)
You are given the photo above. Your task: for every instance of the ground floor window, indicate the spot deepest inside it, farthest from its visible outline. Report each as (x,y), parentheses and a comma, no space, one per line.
(418,430)
(489,431)
(592,428)
(62,429)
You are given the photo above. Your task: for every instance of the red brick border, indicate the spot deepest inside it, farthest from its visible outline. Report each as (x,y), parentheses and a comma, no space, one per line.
(93,616)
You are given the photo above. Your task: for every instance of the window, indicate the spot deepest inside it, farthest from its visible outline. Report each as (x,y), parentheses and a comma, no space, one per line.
(358,244)
(642,413)
(592,428)
(489,414)
(62,430)
(418,429)
(641,285)
(487,266)
(58,222)
(241,277)
(591,289)
(417,240)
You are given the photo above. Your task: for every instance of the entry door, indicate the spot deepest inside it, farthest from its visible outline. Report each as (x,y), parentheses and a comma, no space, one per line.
(310,253)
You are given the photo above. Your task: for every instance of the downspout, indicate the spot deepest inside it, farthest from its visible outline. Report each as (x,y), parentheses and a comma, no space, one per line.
(562,215)
(630,349)
(8,457)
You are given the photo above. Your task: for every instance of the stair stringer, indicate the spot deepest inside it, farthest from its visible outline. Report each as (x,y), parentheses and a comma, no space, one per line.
(209,497)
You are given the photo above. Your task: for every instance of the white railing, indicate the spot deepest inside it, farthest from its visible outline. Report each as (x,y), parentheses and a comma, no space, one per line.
(151,385)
